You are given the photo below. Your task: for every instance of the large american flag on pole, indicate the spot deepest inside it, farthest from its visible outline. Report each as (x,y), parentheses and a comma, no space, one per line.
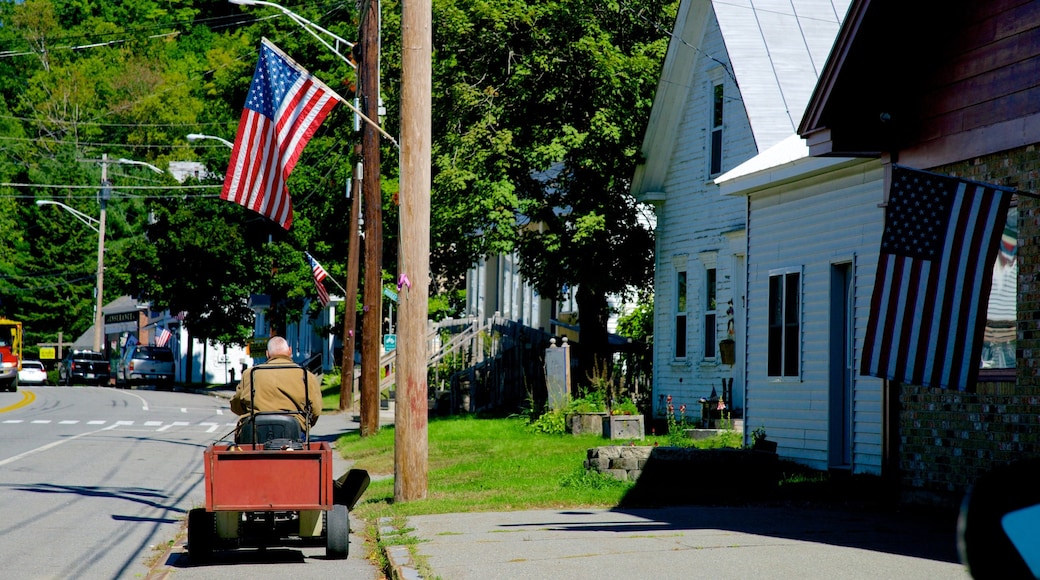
(319,279)
(283,109)
(934,275)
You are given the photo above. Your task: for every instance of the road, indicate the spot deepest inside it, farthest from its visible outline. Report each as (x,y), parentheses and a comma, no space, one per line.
(95,482)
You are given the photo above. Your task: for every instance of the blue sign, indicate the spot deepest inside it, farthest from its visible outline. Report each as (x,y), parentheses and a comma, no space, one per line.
(389,342)
(390,294)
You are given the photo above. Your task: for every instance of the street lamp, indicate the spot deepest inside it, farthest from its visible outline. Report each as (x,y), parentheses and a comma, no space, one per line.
(98,225)
(193,137)
(307,25)
(141,163)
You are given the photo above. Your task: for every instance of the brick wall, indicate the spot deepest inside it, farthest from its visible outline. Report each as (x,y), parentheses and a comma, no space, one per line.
(948,438)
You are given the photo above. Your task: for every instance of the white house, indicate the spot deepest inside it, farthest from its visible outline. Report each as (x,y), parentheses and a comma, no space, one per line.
(813,234)
(735,81)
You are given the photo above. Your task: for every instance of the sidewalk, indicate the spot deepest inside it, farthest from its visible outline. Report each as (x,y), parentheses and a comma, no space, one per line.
(687,542)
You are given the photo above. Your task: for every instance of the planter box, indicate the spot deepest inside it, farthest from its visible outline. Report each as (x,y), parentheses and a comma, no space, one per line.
(586,423)
(623,427)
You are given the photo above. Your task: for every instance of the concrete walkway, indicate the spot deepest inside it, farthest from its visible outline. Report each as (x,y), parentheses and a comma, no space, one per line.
(685,542)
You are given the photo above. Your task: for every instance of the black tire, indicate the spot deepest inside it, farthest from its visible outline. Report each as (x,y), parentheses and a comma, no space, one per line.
(202,533)
(337,533)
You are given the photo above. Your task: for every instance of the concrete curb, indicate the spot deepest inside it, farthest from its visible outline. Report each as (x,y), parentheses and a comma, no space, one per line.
(399,557)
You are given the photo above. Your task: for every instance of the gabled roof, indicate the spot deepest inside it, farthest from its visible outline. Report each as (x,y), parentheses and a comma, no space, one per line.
(903,75)
(775,52)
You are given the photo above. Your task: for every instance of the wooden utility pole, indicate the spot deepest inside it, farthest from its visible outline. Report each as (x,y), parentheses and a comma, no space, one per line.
(411,419)
(372,300)
(346,377)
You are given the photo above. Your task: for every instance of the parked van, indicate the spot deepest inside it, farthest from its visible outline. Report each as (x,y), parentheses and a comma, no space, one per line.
(147,365)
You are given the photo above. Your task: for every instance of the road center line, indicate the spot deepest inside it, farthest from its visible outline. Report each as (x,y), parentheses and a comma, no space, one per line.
(52,445)
(27,397)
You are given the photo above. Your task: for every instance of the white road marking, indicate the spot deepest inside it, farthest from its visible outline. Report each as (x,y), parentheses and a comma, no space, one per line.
(118,423)
(184,409)
(212,427)
(95,422)
(69,422)
(52,445)
(41,421)
(220,411)
(13,421)
(152,423)
(144,403)
(174,424)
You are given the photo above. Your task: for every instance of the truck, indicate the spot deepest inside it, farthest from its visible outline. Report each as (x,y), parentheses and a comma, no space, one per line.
(10,353)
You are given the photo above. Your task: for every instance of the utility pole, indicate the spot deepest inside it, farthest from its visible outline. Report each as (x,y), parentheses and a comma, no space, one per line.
(346,378)
(411,420)
(99,303)
(372,322)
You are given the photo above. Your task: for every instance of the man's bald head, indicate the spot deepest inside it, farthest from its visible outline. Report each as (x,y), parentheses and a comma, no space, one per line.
(278,346)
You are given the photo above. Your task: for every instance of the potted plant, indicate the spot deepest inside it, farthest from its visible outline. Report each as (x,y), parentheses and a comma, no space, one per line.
(759,441)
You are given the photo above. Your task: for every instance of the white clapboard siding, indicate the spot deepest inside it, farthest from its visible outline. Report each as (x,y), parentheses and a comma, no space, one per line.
(692,220)
(812,224)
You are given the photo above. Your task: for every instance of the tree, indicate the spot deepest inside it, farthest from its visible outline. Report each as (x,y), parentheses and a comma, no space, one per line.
(540,109)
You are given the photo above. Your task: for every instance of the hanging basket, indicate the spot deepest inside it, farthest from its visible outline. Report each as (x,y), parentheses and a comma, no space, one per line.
(728,350)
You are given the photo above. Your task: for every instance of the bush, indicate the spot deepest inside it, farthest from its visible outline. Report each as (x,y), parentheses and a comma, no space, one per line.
(550,422)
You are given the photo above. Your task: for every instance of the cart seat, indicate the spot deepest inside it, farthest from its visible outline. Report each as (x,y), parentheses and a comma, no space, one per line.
(268,427)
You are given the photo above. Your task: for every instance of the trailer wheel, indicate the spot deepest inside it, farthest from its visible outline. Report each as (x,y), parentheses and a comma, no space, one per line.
(202,530)
(337,539)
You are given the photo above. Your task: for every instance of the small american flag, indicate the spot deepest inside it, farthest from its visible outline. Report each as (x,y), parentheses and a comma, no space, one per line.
(283,109)
(319,277)
(163,338)
(933,279)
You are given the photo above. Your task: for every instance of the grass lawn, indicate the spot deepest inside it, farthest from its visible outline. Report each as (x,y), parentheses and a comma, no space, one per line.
(479,464)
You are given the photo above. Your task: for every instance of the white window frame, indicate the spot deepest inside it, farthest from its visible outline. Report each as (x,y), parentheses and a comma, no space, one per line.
(787,319)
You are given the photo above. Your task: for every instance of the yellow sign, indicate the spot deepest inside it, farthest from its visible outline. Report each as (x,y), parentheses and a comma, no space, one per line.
(46,353)
(258,346)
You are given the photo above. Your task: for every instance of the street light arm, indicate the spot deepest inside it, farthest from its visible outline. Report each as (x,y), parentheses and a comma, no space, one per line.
(92,223)
(307,25)
(198,137)
(141,163)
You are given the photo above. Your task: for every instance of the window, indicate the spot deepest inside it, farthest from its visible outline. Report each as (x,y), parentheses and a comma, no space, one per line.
(717,95)
(680,315)
(709,313)
(784,324)
(998,346)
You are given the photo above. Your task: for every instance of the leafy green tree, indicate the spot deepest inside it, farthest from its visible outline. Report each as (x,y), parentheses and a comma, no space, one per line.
(539,109)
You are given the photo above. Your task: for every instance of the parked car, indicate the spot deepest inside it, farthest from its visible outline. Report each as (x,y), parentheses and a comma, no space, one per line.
(148,365)
(84,367)
(33,373)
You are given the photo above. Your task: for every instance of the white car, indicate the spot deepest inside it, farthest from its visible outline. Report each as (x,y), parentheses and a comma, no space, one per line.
(32,373)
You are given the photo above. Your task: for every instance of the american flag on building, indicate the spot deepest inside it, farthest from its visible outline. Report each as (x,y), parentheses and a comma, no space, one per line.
(934,277)
(319,279)
(283,109)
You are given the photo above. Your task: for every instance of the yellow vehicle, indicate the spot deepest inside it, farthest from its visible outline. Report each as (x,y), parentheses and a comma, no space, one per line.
(10,353)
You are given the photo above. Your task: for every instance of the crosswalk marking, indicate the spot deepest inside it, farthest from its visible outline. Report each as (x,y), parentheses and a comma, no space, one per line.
(69,422)
(41,421)
(95,422)
(152,423)
(212,427)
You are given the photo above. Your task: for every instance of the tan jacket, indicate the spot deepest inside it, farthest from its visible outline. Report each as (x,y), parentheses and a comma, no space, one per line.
(278,387)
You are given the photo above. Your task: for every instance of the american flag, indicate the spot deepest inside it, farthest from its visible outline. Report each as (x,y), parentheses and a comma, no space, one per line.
(283,109)
(319,277)
(163,338)
(934,276)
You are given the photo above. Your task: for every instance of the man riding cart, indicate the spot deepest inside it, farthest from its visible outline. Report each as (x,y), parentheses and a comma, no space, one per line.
(273,486)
